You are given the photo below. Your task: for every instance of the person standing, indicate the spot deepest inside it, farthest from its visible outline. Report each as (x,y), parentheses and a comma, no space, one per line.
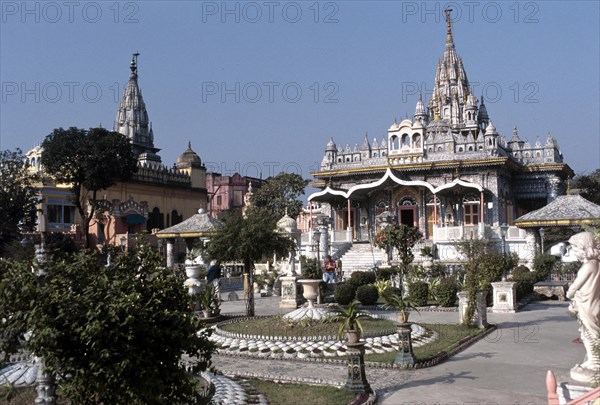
(213,277)
(329,270)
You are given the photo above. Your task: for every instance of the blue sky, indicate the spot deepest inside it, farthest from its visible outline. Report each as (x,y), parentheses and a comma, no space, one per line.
(258,87)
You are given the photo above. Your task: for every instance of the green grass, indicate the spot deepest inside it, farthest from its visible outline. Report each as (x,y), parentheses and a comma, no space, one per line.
(449,337)
(300,394)
(279,327)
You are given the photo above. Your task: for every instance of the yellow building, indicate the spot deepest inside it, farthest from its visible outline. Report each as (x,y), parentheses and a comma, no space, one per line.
(156,197)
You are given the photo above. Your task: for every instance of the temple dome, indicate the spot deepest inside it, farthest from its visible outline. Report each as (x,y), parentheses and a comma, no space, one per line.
(189,157)
(287,223)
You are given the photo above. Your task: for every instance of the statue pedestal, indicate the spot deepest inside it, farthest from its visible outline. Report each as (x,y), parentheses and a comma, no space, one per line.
(405,354)
(505,297)
(480,308)
(289,292)
(357,378)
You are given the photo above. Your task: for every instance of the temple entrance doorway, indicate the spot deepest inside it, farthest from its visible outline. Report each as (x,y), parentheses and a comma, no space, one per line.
(407,216)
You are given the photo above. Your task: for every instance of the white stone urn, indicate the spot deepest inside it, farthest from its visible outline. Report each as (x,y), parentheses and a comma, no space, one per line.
(310,290)
(192,271)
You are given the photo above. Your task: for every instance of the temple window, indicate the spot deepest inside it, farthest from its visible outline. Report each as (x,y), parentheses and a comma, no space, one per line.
(405,141)
(417,141)
(471,210)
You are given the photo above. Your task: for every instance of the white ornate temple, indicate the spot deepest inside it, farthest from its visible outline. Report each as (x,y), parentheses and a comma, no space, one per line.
(446,171)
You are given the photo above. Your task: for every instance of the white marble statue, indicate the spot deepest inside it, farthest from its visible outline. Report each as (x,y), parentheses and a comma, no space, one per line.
(585,293)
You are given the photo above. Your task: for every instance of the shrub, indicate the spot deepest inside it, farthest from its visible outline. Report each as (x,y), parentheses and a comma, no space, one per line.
(418,292)
(367,294)
(390,291)
(525,280)
(543,265)
(344,293)
(445,292)
(359,278)
(386,273)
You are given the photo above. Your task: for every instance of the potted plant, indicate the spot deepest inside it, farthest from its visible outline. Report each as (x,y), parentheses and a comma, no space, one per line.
(312,276)
(207,300)
(350,321)
(401,304)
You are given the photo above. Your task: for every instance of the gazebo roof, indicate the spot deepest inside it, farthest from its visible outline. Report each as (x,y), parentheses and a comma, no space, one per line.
(566,210)
(198,225)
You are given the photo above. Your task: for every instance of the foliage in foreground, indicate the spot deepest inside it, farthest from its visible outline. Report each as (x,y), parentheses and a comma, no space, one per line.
(111,334)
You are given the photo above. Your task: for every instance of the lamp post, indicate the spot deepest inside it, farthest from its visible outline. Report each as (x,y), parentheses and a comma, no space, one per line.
(318,243)
(503,231)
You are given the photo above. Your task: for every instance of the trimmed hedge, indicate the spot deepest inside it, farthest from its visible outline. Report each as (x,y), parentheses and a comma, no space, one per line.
(344,293)
(359,278)
(388,292)
(418,292)
(445,292)
(367,294)
(525,280)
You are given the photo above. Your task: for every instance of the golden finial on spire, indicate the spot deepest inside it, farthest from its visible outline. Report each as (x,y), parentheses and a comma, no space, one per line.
(436,111)
(449,39)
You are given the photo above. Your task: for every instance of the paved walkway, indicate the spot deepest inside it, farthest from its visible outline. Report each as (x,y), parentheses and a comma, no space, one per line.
(506,367)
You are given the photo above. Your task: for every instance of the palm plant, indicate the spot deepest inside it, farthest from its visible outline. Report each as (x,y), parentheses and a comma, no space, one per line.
(349,318)
(397,302)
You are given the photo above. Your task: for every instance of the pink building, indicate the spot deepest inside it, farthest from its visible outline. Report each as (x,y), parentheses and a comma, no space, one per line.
(228,192)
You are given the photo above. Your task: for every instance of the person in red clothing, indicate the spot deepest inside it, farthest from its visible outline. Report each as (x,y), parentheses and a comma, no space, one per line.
(329,270)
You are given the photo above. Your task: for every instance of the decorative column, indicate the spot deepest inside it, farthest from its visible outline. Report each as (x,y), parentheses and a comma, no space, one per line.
(323,227)
(481,227)
(480,308)
(349,233)
(357,378)
(170,253)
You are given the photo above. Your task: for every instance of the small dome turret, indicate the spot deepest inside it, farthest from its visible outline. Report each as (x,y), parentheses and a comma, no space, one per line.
(491,129)
(331,147)
(189,157)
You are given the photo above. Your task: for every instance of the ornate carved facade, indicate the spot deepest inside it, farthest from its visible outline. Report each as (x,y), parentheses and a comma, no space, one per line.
(447,170)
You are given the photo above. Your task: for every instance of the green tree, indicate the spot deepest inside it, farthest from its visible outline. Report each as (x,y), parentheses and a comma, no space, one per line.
(88,161)
(112,335)
(249,239)
(403,238)
(589,186)
(280,193)
(483,266)
(18,197)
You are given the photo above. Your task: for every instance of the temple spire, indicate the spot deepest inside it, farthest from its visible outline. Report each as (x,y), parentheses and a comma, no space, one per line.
(449,39)
(132,119)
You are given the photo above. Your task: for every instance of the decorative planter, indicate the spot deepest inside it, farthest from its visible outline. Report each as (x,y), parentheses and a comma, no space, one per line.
(192,271)
(311,290)
(206,313)
(353,336)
